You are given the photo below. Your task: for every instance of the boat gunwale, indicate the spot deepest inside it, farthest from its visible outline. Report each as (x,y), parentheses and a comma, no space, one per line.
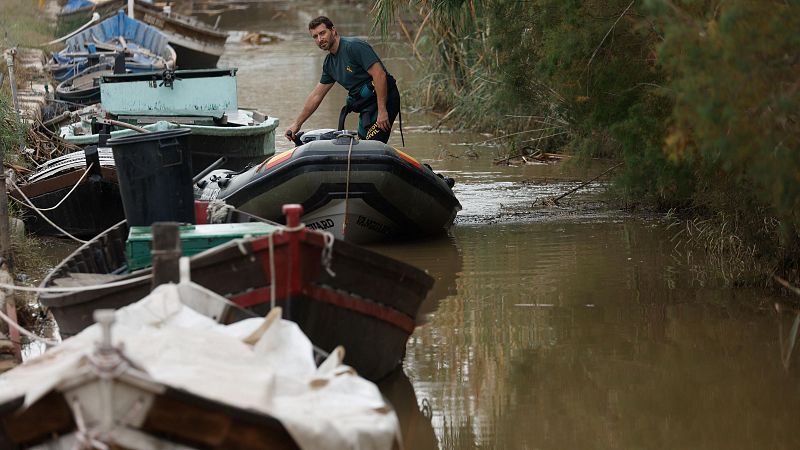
(312,237)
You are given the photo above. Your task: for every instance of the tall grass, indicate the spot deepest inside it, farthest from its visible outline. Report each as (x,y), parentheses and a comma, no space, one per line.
(22,23)
(700,99)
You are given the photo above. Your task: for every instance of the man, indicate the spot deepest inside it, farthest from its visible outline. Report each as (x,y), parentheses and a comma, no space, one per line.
(351,62)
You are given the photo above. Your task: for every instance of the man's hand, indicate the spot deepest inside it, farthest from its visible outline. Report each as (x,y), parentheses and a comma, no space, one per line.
(383,119)
(378,75)
(291,131)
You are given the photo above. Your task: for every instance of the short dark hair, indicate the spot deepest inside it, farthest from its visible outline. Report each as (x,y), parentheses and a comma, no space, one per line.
(320,21)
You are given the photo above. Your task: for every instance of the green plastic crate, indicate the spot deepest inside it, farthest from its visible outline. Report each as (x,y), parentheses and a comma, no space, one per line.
(194,239)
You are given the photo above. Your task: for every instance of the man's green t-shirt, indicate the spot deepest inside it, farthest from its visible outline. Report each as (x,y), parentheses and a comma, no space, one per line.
(349,65)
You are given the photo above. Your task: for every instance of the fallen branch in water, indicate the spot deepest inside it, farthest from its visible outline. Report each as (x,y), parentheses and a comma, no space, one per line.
(445,117)
(786,284)
(555,201)
(537,155)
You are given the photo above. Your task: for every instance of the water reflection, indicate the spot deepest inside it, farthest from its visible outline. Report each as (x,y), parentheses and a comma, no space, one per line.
(440,257)
(788,318)
(573,330)
(415,425)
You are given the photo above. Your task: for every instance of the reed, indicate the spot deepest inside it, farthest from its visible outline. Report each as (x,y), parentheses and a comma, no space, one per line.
(721,247)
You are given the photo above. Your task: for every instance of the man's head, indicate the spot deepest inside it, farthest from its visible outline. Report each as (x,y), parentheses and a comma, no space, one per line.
(323,32)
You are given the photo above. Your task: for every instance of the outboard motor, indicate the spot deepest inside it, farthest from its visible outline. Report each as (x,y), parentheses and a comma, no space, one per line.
(323,134)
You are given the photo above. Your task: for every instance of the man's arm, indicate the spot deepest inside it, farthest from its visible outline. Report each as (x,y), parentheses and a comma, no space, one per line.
(311,105)
(379,79)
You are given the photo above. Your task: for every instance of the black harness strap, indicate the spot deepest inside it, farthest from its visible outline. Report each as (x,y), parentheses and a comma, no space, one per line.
(400,114)
(343,115)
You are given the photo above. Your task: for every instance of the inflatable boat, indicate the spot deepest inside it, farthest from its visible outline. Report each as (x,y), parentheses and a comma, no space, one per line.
(360,190)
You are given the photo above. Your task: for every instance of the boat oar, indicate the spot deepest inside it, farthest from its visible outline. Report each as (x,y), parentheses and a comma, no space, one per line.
(95,18)
(124,49)
(123,125)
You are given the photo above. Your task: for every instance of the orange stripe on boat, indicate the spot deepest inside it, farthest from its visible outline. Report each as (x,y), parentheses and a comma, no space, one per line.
(279,158)
(409,158)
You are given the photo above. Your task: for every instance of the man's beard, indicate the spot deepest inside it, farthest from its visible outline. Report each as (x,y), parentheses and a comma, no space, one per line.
(327,45)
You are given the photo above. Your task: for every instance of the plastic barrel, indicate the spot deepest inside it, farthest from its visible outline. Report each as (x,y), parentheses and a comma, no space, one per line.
(155,177)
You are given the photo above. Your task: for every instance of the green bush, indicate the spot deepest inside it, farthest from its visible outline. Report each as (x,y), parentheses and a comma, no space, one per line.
(699,98)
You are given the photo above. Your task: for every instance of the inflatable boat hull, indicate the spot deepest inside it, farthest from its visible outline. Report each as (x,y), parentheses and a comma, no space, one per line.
(385,194)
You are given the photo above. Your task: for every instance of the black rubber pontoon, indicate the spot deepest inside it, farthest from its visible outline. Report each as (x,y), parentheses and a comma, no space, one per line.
(388,195)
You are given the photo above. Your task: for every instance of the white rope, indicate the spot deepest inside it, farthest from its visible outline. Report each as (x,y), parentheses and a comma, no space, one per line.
(85,172)
(59,289)
(87,438)
(218,211)
(347,186)
(27,333)
(272,289)
(29,205)
(300,227)
(327,252)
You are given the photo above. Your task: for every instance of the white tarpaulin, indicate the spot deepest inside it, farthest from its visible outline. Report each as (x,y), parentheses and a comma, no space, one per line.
(262,364)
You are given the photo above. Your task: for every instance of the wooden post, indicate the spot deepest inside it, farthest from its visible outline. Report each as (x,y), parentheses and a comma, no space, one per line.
(294,275)
(11,312)
(166,253)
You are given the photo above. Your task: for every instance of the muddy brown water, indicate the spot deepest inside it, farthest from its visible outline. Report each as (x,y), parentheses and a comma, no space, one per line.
(560,327)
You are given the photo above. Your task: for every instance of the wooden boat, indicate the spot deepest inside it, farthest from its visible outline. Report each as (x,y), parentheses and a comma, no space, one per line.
(64,65)
(366,302)
(145,47)
(167,417)
(197,44)
(171,377)
(362,193)
(75,13)
(204,101)
(247,138)
(93,205)
(84,88)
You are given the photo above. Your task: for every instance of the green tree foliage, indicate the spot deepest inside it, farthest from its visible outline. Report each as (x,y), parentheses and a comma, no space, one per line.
(734,77)
(698,97)
(599,57)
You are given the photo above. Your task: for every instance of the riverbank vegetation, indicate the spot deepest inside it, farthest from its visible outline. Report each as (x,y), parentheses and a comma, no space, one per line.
(699,99)
(21,25)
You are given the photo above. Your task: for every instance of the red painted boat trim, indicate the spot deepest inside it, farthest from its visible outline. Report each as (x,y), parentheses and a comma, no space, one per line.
(360,305)
(288,258)
(255,297)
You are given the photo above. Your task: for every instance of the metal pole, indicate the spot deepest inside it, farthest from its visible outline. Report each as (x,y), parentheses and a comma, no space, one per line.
(12,81)
(130,8)
(5,235)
